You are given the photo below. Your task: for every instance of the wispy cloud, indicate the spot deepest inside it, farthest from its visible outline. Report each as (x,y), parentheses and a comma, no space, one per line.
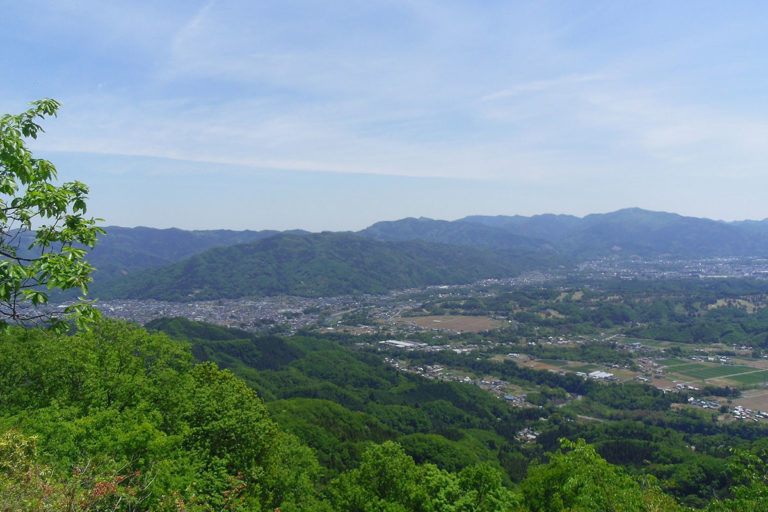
(535,86)
(530,95)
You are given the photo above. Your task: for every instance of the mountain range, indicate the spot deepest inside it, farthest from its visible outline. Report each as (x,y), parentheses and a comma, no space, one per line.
(174,264)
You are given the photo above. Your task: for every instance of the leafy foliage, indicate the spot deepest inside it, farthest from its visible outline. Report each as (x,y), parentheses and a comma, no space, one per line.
(119,418)
(388,479)
(43,227)
(578,479)
(137,399)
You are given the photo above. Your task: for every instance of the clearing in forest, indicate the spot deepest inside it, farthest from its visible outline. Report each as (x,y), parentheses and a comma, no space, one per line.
(459,323)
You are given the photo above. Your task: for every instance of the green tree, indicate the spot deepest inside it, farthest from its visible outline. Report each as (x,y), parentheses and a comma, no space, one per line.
(389,480)
(578,479)
(130,407)
(43,229)
(749,472)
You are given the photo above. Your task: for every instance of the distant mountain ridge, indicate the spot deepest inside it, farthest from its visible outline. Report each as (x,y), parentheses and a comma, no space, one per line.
(628,232)
(194,265)
(634,231)
(458,232)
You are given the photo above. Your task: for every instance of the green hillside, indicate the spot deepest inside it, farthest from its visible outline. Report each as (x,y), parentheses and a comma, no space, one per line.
(338,399)
(315,265)
(120,418)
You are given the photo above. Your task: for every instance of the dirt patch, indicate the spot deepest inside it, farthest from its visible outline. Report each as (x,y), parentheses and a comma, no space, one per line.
(755,399)
(458,323)
(537,365)
(663,383)
(761,363)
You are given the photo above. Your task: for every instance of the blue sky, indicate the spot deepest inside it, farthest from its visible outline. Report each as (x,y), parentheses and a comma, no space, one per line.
(334,115)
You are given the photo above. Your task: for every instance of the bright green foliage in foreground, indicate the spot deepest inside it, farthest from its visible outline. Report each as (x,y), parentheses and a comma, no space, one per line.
(118,397)
(121,419)
(580,480)
(388,479)
(751,472)
(42,226)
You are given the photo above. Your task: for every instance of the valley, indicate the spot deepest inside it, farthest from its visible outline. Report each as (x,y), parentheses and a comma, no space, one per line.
(469,355)
(547,333)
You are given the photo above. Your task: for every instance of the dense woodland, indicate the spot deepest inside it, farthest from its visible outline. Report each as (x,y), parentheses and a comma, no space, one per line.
(130,419)
(323,264)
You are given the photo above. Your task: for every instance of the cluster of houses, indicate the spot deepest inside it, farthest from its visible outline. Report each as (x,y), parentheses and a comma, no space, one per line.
(407,345)
(527,435)
(414,345)
(739,412)
(742,413)
(597,375)
(706,404)
(517,401)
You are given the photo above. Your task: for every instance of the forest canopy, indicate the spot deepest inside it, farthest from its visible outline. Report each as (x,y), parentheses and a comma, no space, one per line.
(120,418)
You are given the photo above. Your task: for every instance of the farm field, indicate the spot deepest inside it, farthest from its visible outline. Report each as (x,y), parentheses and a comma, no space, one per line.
(586,368)
(706,371)
(646,342)
(757,377)
(554,362)
(673,362)
(459,323)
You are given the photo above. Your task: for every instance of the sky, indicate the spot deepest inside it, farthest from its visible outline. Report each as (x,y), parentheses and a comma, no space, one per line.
(334,115)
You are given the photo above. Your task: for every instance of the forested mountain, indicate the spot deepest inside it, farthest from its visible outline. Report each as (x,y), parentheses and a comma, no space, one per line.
(634,231)
(628,232)
(123,250)
(547,227)
(337,400)
(316,265)
(187,265)
(455,233)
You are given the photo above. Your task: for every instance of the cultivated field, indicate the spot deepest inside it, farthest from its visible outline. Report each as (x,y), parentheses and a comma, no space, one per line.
(758,377)
(455,322)
(706,371)
(673,362)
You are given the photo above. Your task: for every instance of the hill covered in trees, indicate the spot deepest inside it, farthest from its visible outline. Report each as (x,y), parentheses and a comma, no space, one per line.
(628,232)
(124,250)
(315,265)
